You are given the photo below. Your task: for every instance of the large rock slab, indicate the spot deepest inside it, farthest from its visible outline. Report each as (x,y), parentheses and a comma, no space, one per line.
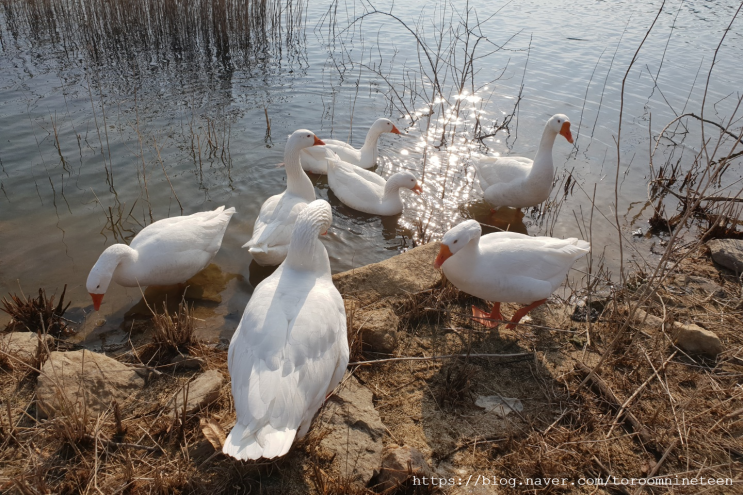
(23,346)
(352,432)
(199,393)
(728,253)
(84,381)
(409,272)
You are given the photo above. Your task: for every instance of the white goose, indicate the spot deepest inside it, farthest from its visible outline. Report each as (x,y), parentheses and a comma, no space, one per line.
(519,182)
(314,160)
(273,227)
(166,252)
(290,349)
(506,267)
(366,191)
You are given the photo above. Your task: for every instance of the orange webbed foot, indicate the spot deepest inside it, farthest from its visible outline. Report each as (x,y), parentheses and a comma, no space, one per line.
(522,312)
(487,318)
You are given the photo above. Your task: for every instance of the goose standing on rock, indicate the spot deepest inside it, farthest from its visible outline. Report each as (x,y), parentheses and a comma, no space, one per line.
(290,349)
(366,191)
(519,182)
(273,227)
(166,252)
(506,267)
(314,160)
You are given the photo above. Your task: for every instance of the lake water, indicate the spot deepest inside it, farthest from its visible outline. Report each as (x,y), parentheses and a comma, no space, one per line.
(88,98)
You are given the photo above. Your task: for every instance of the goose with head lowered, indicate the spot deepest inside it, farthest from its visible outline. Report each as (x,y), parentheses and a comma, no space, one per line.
(273,227)
(519,182)
(366,191)
(166,252)
(290,349)
(314,160)
(506,267)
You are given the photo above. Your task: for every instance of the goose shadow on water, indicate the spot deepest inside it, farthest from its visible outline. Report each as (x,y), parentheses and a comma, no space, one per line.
(204,292)
(503,218)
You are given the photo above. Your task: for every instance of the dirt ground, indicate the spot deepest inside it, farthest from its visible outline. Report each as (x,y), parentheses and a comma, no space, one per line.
(650,409)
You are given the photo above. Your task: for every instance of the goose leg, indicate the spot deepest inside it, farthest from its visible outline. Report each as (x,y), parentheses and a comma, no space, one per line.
(522,312)
(480,315)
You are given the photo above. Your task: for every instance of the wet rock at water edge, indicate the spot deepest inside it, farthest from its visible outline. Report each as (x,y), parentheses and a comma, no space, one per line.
(84,382)
(727,253)
(351,432)
(407,273)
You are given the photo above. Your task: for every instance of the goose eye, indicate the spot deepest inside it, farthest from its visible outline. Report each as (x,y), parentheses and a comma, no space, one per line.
(455,241)
(308,135)
(98,286)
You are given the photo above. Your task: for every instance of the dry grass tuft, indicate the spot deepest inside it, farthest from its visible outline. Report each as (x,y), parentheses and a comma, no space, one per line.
(36,315)
(457,386)
(175,332)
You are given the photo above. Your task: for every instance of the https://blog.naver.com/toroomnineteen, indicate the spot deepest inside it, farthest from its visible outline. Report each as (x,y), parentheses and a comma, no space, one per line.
(493,480)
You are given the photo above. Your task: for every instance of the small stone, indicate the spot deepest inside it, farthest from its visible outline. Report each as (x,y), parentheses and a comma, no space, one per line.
(184,361)
(727,253)
(688,336)
(398,464)
(201,392)
(83,381)
(352,431)
(696,340)
(23,346)
(378,330)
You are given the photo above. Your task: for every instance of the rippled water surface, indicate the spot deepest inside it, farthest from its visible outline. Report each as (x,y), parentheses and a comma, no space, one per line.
(109,121)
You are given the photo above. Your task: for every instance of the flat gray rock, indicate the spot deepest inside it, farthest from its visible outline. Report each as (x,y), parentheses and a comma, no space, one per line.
(398,464)
(23,346)
(688,336)
(378,329)
(202,391)
(727,253)
(352,432)
(406,273)
(83,381)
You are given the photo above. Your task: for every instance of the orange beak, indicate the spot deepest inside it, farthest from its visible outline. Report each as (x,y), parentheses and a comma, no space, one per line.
(417,189)
(97,298)
(395,130)
(565,132)
(444,254)
(318,141)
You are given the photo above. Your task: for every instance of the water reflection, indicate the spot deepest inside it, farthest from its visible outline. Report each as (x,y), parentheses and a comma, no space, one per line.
(108,125)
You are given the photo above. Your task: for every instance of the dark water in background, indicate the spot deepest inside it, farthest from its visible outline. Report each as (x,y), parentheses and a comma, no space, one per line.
(109,88)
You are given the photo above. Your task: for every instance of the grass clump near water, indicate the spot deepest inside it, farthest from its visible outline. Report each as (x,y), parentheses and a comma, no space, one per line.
(38,315)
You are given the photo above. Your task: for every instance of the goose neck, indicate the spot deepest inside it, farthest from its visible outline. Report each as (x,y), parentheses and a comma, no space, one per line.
(115,255)
(370,143)
(543,160)
(306,252)
(297,181)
